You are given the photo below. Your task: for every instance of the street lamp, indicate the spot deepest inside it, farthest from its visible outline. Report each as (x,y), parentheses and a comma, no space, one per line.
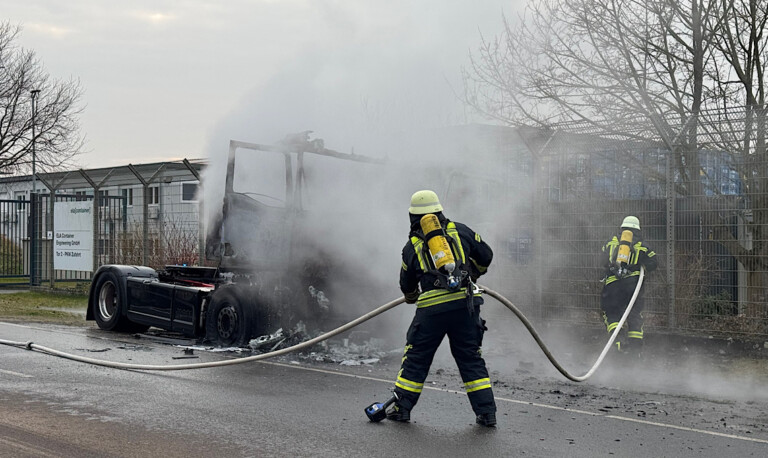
(34,93)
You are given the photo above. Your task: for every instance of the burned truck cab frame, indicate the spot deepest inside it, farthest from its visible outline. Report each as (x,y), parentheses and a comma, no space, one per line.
(269,270)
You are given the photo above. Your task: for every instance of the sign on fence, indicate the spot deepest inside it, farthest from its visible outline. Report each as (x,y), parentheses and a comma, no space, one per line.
(73,236)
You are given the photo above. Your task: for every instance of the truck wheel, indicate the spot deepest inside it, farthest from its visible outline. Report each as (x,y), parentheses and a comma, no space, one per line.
(227,322)
(107,306)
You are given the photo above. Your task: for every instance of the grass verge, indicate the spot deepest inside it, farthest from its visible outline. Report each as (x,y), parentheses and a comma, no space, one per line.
(41,307)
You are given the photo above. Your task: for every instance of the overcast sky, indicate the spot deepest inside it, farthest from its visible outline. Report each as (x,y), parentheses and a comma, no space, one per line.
(168,79)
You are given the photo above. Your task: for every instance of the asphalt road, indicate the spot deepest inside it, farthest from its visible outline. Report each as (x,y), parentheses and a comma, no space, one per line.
(297,407)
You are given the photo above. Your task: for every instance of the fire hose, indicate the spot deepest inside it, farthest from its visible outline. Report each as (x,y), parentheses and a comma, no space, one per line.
(339,330)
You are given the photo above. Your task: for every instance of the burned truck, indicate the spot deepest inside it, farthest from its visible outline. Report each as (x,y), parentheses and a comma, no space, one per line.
(271,252)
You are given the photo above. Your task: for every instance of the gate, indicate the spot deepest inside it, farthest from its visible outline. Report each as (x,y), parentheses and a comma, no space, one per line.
(33,243)
(14,232)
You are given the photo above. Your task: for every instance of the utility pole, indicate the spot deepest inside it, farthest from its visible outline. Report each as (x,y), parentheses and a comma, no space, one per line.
(35,93)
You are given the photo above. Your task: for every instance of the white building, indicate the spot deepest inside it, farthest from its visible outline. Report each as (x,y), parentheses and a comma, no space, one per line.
(157,199)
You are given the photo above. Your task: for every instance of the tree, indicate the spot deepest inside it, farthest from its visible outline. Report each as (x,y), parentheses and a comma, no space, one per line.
(57,138)
(672,72)
(626,68)
(739,38)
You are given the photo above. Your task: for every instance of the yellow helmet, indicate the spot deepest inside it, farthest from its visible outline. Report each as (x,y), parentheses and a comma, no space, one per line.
(631,222)
(424,202)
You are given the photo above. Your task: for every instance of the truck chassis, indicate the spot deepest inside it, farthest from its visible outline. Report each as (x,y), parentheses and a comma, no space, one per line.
(254,288)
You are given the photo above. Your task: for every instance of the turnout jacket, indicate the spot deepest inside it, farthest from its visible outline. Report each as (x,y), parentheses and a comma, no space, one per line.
(639,255)
(418,284)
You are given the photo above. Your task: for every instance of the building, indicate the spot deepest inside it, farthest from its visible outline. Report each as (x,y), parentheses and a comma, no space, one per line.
(158,200)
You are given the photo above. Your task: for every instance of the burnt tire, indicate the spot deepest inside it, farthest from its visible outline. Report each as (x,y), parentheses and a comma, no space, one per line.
(227,322)
(108,303)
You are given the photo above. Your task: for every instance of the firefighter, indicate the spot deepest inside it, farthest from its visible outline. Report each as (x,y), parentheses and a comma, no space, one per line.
(621,277)
(446,304)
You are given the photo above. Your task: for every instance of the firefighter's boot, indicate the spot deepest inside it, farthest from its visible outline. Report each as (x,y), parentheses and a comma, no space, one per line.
(399,413)
(634,348)
(487,419)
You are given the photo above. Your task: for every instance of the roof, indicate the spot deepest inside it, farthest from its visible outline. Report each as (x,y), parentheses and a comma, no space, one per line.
(124,175)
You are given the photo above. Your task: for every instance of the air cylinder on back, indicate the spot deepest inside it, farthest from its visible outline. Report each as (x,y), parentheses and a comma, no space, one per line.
(438,245)
(622,257)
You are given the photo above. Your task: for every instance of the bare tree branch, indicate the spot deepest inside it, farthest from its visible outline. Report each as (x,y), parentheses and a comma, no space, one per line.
(672,72)
(57,140)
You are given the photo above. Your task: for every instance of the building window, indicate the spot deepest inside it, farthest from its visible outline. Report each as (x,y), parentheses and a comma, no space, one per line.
(154,195)
(20,197)
(104,198)
(188,192)
(128,196)
(80,196)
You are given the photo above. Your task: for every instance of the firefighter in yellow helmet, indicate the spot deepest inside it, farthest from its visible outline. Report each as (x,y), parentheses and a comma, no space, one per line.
(441,260)
(624,255)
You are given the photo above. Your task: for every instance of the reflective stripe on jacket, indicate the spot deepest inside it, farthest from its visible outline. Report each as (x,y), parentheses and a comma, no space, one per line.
(439,296)
(639,255)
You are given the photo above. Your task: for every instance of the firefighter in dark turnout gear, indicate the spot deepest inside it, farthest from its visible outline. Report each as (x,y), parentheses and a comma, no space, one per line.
(620,282)
(443,308)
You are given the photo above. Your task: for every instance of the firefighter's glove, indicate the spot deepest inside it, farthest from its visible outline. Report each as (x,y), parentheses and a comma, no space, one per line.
(412,297)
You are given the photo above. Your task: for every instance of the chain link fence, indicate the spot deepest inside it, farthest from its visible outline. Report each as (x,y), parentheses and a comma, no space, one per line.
(701,195)
(701,200)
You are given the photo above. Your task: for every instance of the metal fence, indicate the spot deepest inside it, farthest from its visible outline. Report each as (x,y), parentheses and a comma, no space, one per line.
(13,236)
(142,215)
(702,206)
(702,203)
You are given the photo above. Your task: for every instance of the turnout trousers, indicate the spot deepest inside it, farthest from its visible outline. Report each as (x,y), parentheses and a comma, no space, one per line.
(614,301)
(465,334)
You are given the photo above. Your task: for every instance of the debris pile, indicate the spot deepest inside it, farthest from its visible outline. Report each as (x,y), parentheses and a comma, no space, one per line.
(343,351)
(268,342)
(346,353)
(357,348)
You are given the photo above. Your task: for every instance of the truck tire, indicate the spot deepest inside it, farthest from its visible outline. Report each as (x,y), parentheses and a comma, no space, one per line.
(107,304)
(227,322)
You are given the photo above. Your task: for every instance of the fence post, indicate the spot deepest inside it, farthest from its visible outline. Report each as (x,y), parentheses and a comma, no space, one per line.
(51,255)
(670,190)
(96,238)
(145,225)
(539,231)
(201,236)
(32,234)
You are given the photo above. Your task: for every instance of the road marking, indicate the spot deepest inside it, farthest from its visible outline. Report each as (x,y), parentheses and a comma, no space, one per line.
(445,390)
(15,325)
(17,374)
(536,404)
